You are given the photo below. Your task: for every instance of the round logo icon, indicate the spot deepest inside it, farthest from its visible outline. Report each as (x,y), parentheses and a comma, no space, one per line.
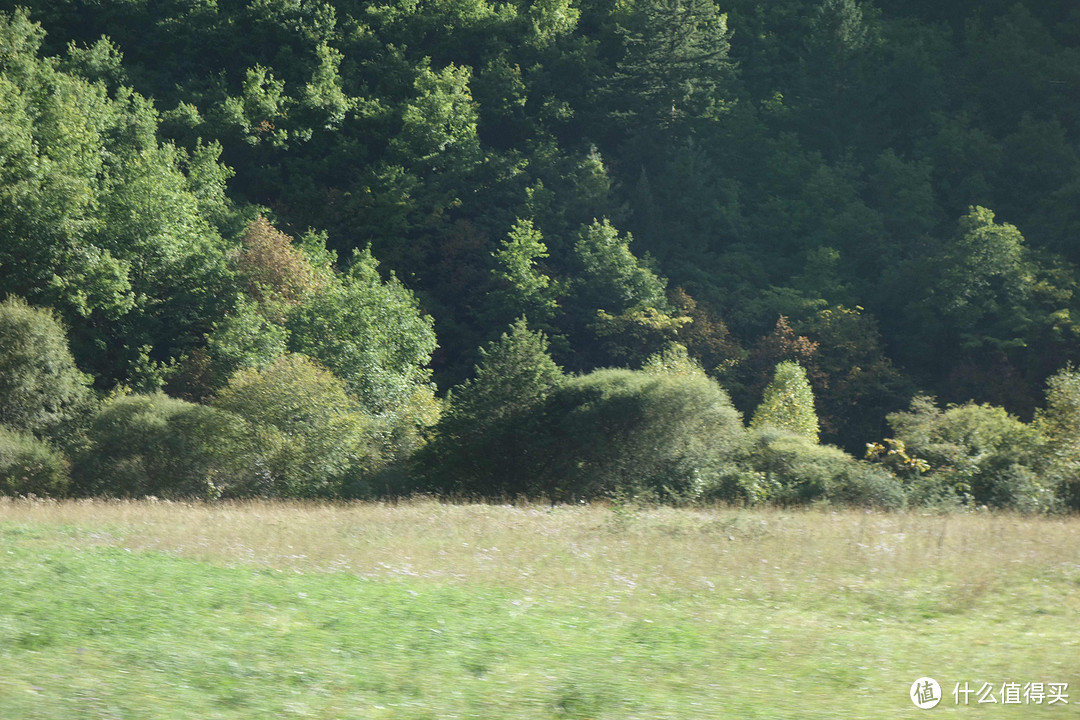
(925,693)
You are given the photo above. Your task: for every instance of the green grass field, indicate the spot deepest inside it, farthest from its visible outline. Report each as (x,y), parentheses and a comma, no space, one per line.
(423,610)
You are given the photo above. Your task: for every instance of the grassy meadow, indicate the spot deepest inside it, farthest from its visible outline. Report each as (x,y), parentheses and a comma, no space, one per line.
(426,610)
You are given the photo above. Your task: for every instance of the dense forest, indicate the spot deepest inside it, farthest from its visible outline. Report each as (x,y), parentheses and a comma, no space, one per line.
(556,248)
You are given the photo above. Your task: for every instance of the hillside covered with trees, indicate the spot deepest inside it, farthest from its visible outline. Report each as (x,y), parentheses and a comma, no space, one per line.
(558,248)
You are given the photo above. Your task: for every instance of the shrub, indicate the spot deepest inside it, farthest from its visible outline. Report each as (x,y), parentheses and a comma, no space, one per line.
(30,466)
(667,435)
(323,444)
(142,445)
(1059,424)
(977,454)
(800,471)
(626,432)
(40,387)
(863,485)
(1002,483)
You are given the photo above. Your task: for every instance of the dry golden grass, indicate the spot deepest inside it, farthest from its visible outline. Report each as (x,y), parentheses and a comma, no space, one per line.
(590,549)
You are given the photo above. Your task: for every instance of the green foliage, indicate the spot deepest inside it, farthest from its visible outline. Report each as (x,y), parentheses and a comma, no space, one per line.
(30,466)
(441,121)
(856,383)
(243,338)
(673,360)
(141,445)
(514,374)
(612,278)
(551,19)
(101,61)
(323,95)
(675,61)
(102,223)
(788,403)
(1059,419)
(368,332)
(837,26)
(41,390)
(665,435)
(1059,424)
(987,281)
(274,276)
(631,314)
(322,444)
(524,288)
(488,432)
(706,337)
(787,158)
(977,454)
(796,470)
(258,113)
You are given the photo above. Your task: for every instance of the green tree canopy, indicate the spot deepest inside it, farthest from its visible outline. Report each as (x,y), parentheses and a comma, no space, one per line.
(676,60)
(440,121)
(40,387)
(100,220)
(369,332)
(788,403)
(514,374)
(988,280)
(612,278)
(524,287)
(489,426)
(323,444)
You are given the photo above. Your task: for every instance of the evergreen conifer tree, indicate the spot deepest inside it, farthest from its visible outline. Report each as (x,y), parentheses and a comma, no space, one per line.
(487,440)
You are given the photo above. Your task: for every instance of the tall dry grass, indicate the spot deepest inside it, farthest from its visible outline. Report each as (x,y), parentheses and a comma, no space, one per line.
(594,549)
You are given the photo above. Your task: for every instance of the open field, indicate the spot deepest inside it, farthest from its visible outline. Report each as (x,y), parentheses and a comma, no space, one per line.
(424,610)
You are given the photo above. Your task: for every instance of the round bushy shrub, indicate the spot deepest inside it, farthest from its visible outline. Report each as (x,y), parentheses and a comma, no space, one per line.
(40,387)
(156,445)
(29,466)
(799,471)
(863,485)
(324,445)
(663,434)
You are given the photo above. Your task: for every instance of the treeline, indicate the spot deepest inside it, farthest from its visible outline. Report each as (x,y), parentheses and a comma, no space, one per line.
(521,428)
(882,195)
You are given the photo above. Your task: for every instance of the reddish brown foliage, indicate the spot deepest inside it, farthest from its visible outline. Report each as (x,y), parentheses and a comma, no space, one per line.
(275,270)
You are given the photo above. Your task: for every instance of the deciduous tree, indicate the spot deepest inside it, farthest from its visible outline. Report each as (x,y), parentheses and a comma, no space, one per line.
(788,403)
